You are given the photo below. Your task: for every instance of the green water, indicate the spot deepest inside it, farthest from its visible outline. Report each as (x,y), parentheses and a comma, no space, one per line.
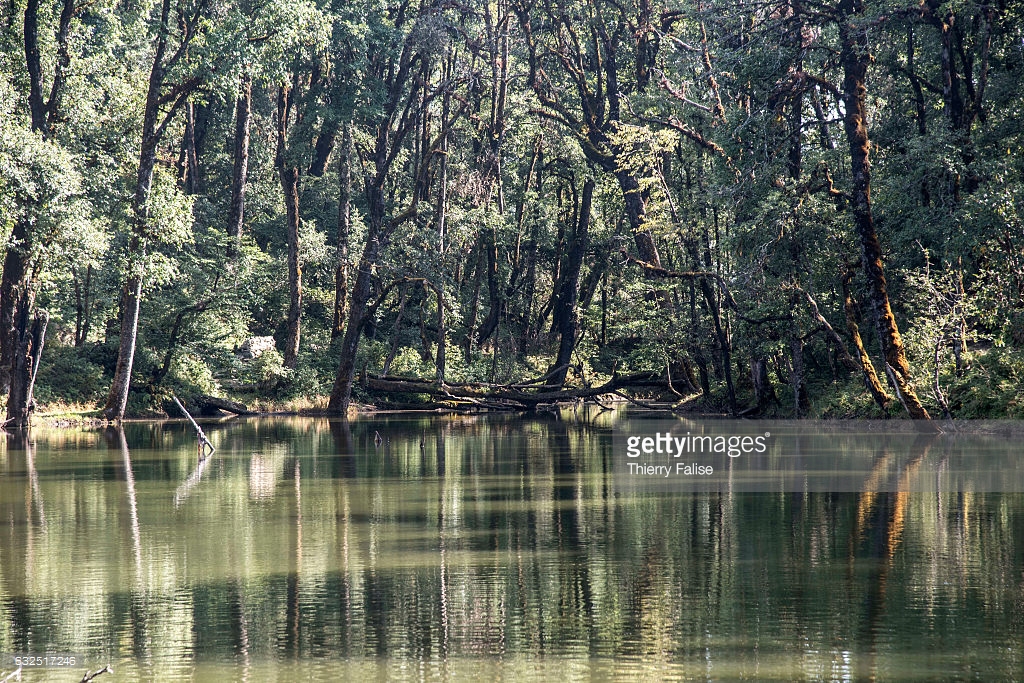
(483,548)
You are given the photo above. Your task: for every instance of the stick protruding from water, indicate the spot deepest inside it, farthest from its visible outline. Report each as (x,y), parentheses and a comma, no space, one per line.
(204,443)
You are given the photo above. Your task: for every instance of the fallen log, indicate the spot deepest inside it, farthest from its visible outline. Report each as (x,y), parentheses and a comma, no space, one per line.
(509,397)
(209,404)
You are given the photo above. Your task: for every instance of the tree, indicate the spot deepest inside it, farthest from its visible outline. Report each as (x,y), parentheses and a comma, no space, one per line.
(288,174)
(42,198)
(855,57)
(594,67)
(163,99)
(393,62)
(240,164)
(36,214)
(566,318)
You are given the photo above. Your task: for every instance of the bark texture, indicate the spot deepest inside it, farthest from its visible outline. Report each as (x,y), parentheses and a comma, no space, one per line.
(288,174)
(855,58)
(30,349)
(240,171)
(344,228)
(566,319)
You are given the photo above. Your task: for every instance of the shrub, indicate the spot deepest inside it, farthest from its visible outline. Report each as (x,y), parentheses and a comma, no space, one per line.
(67,373)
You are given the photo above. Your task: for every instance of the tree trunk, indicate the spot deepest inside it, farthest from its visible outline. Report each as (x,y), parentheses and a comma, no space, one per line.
(131,297)
(441,213)
(61,64)
(870,376)
(566,319)
(396,333)
(240,172)
(288,173)
(636,211)
(794,161)
(556,262)
(801,403)
(724,343)
(714,309)
(440,360)
(764,393)
(396,120)
(490,323)
(855,57)
(426,343)
(344,228)
(26,365)
(36,105)
(117,399)
(14,283)
(598,272)
(153,128)
(323,148)
(474,301)
(915,83)
(83,307)
(341,393)
(190,167)
(13,286)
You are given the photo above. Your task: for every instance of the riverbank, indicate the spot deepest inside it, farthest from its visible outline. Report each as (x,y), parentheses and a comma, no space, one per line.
(993,389)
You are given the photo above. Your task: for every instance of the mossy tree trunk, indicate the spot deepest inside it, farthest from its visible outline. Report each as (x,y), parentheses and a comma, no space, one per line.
(855,57)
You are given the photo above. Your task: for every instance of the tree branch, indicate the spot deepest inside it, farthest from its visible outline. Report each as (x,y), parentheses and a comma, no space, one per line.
(658,271)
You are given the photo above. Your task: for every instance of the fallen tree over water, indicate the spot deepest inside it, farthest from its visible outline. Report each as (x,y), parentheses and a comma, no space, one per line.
(526,396)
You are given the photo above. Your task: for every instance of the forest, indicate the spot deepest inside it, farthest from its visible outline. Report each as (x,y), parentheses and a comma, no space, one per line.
(792,208)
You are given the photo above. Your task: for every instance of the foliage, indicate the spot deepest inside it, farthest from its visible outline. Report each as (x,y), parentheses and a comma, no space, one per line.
(714,133)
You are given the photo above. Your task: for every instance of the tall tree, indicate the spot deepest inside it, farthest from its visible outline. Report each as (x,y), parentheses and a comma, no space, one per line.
(288,175)
(21,268)
(584,49)
(341,266)
(565,315)
(395,72)
(164,98)
(855,57)
(240,163)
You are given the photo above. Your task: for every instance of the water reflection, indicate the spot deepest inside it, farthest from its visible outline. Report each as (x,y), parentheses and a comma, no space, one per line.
(480,547)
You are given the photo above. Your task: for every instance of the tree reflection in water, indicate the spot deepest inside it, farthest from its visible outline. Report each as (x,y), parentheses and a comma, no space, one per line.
(465,546)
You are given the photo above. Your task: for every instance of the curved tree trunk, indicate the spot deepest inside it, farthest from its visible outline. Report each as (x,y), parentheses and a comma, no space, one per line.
(855,57)
(153,127)
(117,399)
(341,393)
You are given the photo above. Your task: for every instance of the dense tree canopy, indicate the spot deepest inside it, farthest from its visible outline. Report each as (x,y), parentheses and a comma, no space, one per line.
(760,207)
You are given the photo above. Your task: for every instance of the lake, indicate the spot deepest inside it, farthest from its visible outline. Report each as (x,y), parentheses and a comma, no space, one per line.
(490,547)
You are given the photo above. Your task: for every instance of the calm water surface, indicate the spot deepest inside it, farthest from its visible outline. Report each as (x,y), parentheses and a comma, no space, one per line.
(480,548)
